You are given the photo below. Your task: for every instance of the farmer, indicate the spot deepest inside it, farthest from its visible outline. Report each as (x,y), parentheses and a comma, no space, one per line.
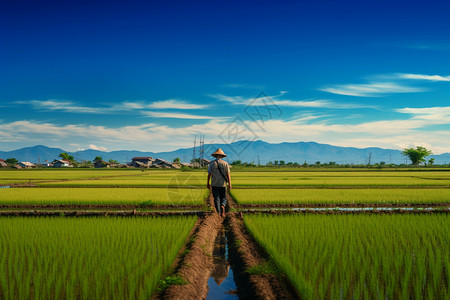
(219,173)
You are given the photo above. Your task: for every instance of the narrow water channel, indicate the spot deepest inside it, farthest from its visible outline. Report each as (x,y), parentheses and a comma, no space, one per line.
(221,283)
(266,209)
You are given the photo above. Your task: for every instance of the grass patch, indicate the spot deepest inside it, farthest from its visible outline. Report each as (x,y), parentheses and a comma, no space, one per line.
(263,269)
(169,281)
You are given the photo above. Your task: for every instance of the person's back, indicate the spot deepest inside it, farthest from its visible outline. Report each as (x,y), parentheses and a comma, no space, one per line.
(219,174)
(219,170)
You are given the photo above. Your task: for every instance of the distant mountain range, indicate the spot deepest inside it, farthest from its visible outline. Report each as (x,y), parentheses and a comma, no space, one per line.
(246,151)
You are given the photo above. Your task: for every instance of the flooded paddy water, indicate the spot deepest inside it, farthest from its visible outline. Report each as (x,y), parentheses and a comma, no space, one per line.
(221,283)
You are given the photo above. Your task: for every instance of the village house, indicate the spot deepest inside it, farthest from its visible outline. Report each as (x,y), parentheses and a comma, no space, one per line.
(61,163)
(3,163)
(149,162)
(26,165)
(161,163)
(101,164)
(143,159)
(141,162)
(204,162)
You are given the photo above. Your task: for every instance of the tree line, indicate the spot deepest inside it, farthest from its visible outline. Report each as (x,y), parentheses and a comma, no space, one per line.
(416,156)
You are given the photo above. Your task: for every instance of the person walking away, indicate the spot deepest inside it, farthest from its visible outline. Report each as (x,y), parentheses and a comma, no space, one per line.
(219,174)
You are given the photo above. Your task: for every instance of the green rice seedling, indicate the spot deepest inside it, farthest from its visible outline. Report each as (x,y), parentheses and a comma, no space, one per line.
(102,196)
(63,174)
(341,196)
(87,258)
(135,177)
(341,178)
(359,256)
(159,179)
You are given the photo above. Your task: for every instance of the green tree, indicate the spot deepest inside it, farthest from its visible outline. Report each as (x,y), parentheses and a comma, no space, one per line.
(177,160)
(113,161)
(98,158)
(416,155)
(236,163)
(431,161)
(66,156)
(12,161)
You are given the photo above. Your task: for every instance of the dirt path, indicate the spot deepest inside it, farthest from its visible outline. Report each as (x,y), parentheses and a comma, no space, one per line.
(131,213)
(196,266)
(101,206)
(350,205)
(246,254)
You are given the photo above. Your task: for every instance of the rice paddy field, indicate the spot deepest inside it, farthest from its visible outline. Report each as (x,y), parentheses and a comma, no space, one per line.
(12,176)
(274,179)
(87,258)
(345,256)
(359,256)
(103,196)
(341,196)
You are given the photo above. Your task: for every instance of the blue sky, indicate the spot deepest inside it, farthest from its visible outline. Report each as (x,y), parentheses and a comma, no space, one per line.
(148,75)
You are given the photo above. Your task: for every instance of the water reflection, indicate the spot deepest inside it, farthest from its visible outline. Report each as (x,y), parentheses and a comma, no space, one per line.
(221,283)
(221,265)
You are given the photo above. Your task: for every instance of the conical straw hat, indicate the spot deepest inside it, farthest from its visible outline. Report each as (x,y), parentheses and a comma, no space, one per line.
(219,152)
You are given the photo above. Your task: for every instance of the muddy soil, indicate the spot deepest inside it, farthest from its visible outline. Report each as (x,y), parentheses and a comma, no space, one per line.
(342,212)
(245,253)
(132,213)
(196,266)
(95,206)
(355,205)
(345,187)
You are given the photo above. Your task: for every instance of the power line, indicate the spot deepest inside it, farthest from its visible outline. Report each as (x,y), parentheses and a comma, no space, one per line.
(193,152)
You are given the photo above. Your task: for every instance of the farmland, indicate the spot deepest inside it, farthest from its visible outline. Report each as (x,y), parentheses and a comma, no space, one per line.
(274,179)
(341,196)
(53,258)
(359,256)
(103,196)
(397,256)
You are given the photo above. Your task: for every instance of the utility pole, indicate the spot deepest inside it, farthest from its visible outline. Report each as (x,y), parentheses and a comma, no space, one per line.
(202,149)
(193,152)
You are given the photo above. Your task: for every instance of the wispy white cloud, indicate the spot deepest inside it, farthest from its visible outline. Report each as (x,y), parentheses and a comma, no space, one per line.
(372,89)
(177,104)
(424,77)
(273,100)
(433,115)
(176,115)
(126,106)
(394,133)
(63,105)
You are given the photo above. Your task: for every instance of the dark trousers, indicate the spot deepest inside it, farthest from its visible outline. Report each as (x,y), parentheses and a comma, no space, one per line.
(220,197)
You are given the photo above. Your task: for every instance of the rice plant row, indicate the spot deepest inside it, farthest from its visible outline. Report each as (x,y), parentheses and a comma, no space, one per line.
(80,258)
(359,256)
(248,180)
(80,178)
(64,174)
(341,196)
(102,196)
